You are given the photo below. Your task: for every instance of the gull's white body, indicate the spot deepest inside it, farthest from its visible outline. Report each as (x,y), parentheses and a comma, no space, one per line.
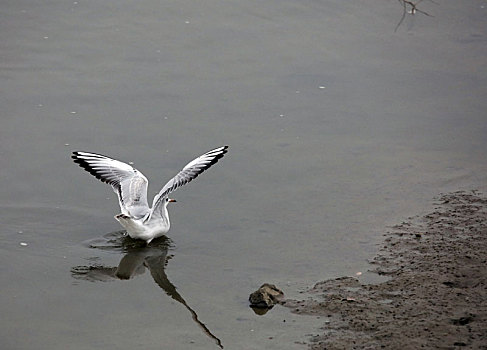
(147,231)
(140,221)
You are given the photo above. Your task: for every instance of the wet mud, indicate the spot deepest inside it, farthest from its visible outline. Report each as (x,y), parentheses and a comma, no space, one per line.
(436,297)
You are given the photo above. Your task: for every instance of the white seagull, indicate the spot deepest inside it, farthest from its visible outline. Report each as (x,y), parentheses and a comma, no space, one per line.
(140,221)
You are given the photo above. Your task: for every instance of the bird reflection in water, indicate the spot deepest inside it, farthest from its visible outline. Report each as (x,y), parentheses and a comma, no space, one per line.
(137,258)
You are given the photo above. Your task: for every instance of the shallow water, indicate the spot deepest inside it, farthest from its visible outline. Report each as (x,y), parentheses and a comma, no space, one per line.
(338,126)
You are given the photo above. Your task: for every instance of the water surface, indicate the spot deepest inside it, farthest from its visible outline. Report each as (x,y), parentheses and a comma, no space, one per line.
(338,126)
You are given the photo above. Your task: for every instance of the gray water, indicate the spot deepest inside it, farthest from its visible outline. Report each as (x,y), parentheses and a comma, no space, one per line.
(338,126)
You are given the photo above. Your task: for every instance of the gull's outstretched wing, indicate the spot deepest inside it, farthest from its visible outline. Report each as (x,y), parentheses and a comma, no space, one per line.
(189,172)
(127,182)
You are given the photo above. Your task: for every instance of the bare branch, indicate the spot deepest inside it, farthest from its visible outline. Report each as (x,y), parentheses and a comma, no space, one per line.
(403,15)
(413,11)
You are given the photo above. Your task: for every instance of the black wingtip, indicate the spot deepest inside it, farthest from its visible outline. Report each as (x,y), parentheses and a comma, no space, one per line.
(222,152)
(85,165)
(75,155)
(224,149)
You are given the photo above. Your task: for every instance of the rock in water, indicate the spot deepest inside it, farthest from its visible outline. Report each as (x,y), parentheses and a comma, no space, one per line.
(266,296)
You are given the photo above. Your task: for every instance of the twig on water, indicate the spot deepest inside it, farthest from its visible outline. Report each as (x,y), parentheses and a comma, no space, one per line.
(414,9)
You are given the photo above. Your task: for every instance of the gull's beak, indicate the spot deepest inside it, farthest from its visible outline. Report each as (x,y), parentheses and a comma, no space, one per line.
(172,200)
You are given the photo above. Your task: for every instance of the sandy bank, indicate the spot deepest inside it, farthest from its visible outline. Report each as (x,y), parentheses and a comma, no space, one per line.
(436,297)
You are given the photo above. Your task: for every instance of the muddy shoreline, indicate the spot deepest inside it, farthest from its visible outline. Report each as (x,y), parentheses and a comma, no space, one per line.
(436,297)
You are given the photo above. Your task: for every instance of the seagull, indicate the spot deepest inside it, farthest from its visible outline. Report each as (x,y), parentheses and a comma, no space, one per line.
(130,185)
